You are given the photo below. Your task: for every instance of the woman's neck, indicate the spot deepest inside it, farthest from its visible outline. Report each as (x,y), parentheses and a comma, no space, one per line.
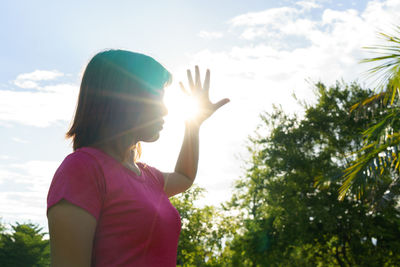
(128,161)
(117,154)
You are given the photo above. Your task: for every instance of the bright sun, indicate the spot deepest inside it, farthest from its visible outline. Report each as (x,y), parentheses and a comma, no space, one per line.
(180,106)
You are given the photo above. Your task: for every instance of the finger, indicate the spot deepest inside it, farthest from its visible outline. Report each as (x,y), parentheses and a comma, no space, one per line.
(207,81)
(221,103)
(190,79)
(198,82)
(183,88)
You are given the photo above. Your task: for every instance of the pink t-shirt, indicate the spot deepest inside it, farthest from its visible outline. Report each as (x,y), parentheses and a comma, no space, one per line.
(136,223)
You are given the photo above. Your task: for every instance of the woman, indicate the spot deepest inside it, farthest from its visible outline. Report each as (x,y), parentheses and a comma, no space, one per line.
(104,208)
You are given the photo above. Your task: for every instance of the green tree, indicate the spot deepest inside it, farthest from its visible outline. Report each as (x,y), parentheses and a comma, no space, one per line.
(23,247)
(204,231)
(288,199)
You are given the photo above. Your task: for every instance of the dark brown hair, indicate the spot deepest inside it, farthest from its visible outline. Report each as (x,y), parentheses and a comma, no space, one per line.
(114,84)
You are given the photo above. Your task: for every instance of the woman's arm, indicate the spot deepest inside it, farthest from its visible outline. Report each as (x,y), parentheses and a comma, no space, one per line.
(71,230)
(186,166)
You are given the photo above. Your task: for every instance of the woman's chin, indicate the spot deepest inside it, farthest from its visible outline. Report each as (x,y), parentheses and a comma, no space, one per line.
(152,139)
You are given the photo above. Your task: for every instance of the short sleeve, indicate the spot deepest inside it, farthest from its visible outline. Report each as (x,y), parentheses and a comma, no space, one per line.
(80,181)
(159,177)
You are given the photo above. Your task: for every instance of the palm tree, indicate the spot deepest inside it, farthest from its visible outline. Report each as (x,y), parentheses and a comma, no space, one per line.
(379,156)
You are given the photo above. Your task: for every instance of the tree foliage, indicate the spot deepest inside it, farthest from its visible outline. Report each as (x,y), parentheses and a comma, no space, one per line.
(24,246)
(288,199)
(203,233)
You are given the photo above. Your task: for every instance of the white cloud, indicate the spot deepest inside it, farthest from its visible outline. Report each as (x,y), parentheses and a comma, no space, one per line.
(38,169)
(4,157)
(41,107)
(40,75)
(308,4)
(24,189)
(28,80)
(274,26)
(275,22)
(329,48)
(260,24)
(210,35)
(51,104)
(274,16)
(26,84)
(19,140)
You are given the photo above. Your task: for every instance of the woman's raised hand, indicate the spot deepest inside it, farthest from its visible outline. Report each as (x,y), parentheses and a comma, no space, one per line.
(200,94)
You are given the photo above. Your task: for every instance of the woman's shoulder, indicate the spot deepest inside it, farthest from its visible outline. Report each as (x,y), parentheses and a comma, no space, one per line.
(78,156)
(77,160)
(79,168)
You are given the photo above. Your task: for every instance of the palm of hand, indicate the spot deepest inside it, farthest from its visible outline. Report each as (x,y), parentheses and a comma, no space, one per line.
(200,94)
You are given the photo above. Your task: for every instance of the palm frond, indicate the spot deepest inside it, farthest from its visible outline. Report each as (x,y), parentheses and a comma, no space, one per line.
(375,159)
(387,73)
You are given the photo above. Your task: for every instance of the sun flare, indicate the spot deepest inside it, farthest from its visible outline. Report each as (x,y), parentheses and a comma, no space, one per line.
(180,106)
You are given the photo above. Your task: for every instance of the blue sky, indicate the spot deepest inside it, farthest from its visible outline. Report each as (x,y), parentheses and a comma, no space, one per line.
(259,53)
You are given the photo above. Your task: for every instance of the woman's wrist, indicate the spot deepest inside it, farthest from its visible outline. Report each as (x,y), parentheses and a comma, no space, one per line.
(192,125)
